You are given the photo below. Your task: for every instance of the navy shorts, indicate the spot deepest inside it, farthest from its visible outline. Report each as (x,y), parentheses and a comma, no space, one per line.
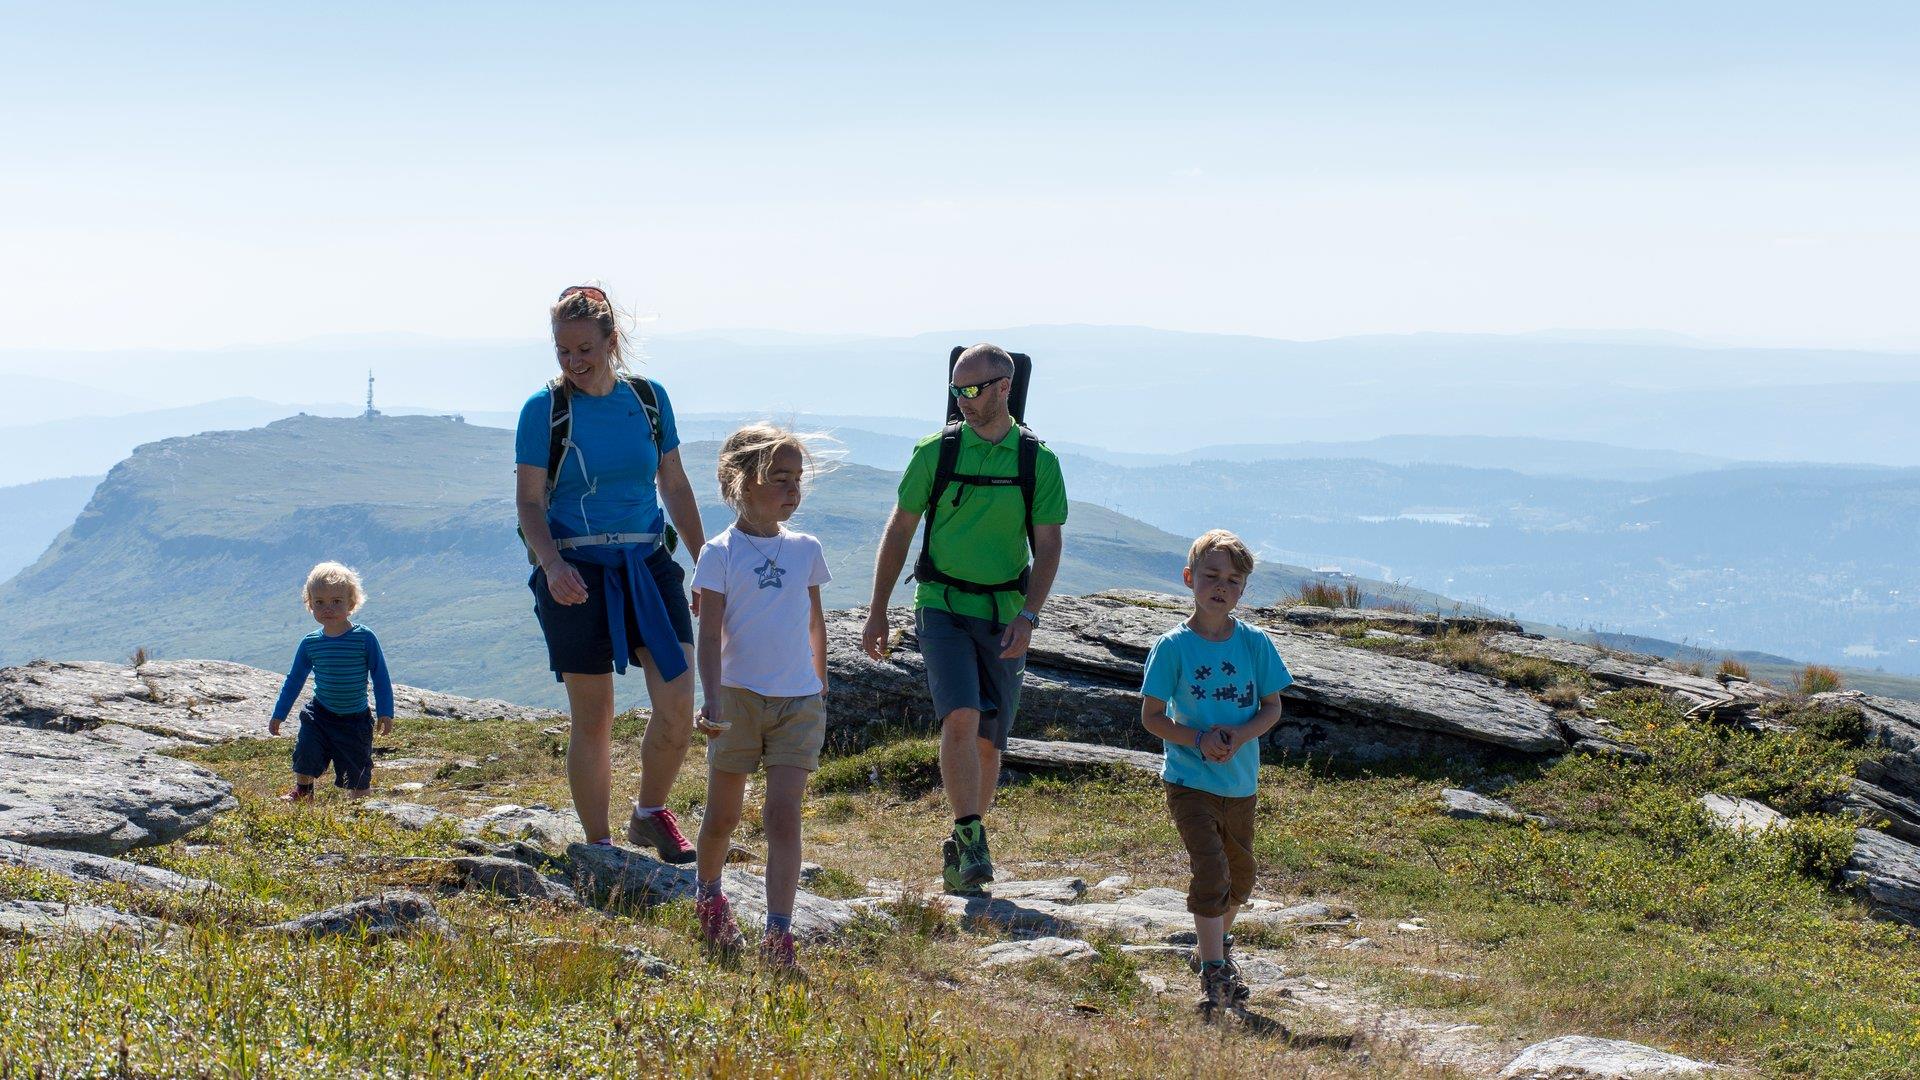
(328,738)
(577,639)
(964,670)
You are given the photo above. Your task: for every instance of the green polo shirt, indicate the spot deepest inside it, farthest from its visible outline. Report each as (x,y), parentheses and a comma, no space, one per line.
(985,537)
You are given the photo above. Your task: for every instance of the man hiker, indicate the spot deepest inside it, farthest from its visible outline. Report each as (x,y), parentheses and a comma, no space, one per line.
(992,493)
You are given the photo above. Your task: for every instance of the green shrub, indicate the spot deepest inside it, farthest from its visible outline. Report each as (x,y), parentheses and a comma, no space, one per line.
(909,768)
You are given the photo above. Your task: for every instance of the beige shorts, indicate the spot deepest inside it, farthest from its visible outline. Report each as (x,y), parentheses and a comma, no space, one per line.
(767,730)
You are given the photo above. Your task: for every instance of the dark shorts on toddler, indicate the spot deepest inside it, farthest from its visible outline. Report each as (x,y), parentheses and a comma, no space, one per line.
(329,738)
(1218,833)
(964,670)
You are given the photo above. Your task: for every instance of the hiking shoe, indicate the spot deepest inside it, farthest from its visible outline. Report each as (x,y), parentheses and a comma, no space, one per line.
(298,794)
(778,952)
(950,878)
(662,830)
(717,927)
(1242,993)
(1216,991)
(976,863)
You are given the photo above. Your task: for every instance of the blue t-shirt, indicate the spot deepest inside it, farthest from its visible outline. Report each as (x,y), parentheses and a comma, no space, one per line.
(606,485)
(1209,683)
(340,667)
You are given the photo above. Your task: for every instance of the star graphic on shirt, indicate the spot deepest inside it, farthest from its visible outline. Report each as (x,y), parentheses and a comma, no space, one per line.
(1227,669)
(770,575)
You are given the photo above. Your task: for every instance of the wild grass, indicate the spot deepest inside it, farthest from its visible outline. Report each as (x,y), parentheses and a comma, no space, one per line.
(1734,669)
(1819,679)
(1328,594)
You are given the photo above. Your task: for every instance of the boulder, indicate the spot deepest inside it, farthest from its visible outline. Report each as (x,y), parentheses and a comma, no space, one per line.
(1885,874)
(543,825)
(1583,1057)
(1084,668)
(91,869)
(400,913)
(510,878)
(620,876)
(1460,803)
(1743,815)
(39,919)
(1063,950)
(185,701)
(1893,726)
(58,791)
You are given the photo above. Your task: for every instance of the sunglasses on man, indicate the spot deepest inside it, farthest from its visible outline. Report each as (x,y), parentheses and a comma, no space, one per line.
(974,390)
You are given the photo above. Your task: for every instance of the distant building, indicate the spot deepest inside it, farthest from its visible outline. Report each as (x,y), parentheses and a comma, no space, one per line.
(371,412)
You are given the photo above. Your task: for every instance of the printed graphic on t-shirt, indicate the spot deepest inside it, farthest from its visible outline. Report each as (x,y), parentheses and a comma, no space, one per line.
(1240,694)
(769,575)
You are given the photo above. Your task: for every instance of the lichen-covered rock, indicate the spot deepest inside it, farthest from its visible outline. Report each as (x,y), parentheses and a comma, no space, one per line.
(407,815)
(1583,1057)
(613,875)
(39,919)
(394,914)
(184,701)
(511,878)
(1460,803)
(1885,873)
(98,869)
(542,825)
(1062,950)
(1743,815)
(63,792)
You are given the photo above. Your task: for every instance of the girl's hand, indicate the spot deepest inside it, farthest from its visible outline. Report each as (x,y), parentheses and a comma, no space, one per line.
(564,583)
(709,720)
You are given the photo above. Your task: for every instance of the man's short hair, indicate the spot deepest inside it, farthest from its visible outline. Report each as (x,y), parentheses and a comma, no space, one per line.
(1222,540)
(995,357)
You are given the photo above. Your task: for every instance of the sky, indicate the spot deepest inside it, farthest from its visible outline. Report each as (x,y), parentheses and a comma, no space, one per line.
(201,175)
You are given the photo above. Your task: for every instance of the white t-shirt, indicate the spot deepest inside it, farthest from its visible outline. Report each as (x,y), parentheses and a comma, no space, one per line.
(764,644)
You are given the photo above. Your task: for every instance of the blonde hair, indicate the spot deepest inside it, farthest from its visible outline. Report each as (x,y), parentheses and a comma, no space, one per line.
(335,574)
(1221,540)
(578,304)
(748,454)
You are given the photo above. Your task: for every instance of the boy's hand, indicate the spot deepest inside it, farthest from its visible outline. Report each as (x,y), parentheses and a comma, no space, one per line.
(709,720)
(273,725)
(1218,744)
(383,726)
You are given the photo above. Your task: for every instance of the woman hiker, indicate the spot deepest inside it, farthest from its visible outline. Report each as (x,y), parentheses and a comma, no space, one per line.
(596,454)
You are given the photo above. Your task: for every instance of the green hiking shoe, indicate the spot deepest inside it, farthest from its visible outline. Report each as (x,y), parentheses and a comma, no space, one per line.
(976,863)
(950,876)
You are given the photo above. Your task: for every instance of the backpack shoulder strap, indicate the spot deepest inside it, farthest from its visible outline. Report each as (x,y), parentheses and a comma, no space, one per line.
(946,464)
(649,396)
(1029,469)
(559,429)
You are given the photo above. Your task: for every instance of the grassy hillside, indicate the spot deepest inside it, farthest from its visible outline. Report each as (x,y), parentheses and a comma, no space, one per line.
(32,514)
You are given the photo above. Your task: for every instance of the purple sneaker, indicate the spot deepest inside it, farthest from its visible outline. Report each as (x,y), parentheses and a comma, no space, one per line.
(662,830)
(717,927)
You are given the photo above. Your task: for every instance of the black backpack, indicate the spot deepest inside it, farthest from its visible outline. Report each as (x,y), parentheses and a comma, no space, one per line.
(945,475)
(560,432)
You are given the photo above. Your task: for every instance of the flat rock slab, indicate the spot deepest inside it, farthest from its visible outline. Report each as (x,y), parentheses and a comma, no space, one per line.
(407,815)
(1042,754)
(188,701)
(1878,808)
(1885,873)
(1743,815)
(1064,890)
(543,825)
(1583,1057)
(1084,669)
(39,919)
(615,876)
(89,869)
(58,791)
(1627,669)
(401,913)
(1062,950)
(1460,803)
(1406,623)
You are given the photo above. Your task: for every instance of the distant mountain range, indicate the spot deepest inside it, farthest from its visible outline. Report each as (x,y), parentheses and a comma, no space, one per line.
(195,547)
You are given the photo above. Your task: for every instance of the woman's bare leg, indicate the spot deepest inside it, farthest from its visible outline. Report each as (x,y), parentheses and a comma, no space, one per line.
(589,744)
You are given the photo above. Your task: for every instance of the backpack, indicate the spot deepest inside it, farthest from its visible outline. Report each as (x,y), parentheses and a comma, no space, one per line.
(560,435)
(946,474)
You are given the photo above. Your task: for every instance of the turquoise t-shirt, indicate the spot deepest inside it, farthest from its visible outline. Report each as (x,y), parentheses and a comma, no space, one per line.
(1209,683)
(607,485)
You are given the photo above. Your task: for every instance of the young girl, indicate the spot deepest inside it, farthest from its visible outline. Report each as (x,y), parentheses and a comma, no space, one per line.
(763,671)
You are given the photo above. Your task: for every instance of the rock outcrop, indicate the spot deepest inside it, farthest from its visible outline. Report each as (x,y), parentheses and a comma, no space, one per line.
(400,913)
(612,875)
(40,919)
(91,869)
(62,792)
(1083,677)
(1583,1057)
(1701,694)
(169,702)
(1742,815)
(1461,803)
(1885,873)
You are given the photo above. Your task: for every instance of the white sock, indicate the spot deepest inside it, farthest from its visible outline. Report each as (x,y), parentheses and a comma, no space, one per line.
(647,811)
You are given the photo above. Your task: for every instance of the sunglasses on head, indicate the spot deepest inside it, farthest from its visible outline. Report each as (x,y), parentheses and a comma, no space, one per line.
(975,390)
(591,292)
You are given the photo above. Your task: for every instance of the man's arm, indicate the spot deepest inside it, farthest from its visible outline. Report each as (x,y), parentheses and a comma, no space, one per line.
(887,564)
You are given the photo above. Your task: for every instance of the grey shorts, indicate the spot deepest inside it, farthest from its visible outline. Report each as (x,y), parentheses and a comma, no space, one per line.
(964,670)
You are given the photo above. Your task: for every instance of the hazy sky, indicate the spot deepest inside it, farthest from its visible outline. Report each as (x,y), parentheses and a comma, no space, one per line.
(206,174)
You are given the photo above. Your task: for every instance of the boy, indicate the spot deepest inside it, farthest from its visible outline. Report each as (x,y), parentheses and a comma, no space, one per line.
(336,726)
(1221,679)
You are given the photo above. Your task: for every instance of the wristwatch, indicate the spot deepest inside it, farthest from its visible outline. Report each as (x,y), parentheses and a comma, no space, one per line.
(1031,616)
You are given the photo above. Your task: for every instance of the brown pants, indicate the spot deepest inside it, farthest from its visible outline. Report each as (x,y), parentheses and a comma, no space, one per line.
(1218,832)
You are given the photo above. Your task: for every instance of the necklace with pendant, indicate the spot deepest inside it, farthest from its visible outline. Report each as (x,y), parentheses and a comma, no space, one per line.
(769,572)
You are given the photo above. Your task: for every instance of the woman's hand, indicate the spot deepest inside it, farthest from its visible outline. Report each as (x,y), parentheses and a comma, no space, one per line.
(564,583)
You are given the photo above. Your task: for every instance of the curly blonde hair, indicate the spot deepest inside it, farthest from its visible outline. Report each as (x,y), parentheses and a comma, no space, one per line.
(338,575)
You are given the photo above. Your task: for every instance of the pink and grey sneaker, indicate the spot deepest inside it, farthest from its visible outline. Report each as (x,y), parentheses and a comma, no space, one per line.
(717,927)
(662,830)
(777,951)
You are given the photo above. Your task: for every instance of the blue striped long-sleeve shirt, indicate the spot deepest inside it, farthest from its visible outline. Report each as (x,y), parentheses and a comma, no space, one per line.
(340,667)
